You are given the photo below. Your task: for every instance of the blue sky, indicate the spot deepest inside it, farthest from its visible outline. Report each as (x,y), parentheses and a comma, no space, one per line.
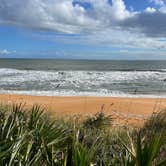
(83,29)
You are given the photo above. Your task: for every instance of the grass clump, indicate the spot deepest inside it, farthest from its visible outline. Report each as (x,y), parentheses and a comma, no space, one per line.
(98,121)
(32,138)
(156,122)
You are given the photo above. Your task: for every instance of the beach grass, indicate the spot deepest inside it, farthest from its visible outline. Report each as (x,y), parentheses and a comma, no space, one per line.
(29,136)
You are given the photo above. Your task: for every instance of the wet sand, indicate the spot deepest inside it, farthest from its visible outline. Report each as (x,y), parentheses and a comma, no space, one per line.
(132,111)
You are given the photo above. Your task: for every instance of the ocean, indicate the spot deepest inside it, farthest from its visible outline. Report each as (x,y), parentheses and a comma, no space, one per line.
(83,77)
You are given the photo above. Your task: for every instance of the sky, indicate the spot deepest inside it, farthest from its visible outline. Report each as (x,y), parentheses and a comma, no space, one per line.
(83,29)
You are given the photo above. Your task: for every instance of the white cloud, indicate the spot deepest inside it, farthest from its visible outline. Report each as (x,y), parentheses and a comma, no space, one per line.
(6,52)
(118,10)
(126,39)
(157,2)
(163,9)
(150,10)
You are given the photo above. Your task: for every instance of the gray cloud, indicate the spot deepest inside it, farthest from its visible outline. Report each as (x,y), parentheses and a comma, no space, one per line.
(152,24)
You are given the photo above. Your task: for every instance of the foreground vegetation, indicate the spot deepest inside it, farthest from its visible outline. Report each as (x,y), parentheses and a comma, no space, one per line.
(33,138)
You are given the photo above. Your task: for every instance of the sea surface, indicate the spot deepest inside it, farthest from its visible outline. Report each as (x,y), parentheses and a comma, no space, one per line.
(83,78)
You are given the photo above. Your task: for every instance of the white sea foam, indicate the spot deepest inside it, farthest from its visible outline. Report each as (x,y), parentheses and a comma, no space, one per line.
(13,75)
(72,83)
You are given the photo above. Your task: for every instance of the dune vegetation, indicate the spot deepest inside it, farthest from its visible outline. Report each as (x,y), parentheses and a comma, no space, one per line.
(31,137)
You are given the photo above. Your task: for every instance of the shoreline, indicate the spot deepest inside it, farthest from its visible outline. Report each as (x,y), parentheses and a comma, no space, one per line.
(49,94)
(132,111)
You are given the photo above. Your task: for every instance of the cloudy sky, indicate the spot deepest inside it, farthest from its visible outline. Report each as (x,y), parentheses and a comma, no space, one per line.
(85,29)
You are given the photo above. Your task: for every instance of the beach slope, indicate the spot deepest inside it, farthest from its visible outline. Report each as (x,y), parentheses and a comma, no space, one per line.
(125,110)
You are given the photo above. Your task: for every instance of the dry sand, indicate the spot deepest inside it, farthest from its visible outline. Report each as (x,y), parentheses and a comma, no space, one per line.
(131,111)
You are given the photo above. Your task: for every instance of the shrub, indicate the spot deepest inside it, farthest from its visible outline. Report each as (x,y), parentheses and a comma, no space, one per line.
(32,137)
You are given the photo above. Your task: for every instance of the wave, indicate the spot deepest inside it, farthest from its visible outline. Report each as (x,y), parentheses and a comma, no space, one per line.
(114,75)
(91,83)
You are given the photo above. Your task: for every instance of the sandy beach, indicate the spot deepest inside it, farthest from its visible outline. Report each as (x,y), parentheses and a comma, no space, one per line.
(124,110)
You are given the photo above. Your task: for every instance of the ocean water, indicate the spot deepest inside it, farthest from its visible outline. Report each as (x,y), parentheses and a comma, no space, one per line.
(83,78)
